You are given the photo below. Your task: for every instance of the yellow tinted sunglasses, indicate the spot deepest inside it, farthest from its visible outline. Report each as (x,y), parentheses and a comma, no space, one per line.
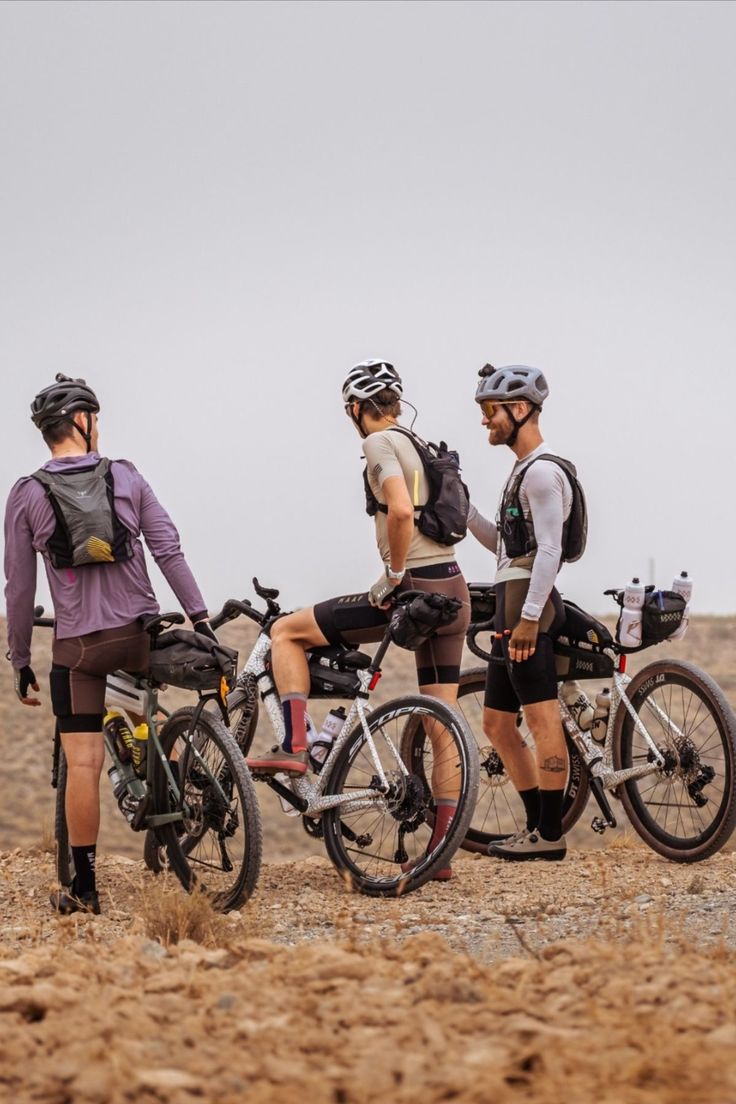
(489,407)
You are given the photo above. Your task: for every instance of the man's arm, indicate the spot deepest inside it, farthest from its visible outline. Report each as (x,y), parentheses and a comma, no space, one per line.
(544,485)
(483,529)
(20,572)
(400,520)
(162,538)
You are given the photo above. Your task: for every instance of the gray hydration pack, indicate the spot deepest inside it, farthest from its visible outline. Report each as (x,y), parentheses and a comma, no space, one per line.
(88,530)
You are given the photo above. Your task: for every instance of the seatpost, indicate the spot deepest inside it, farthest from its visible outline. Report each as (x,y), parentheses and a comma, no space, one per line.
(381,651)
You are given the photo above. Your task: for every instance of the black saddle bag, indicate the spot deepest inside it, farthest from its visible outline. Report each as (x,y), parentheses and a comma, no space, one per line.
(192,661)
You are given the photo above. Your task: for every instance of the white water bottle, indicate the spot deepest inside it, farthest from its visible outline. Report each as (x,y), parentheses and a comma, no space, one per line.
(601,714)
(578,703)
(683,585)
(629,633)
(320,743)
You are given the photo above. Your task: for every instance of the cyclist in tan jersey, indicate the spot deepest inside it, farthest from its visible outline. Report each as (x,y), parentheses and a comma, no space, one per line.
(395,474)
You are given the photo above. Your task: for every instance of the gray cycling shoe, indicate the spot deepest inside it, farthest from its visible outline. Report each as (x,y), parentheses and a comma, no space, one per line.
(528,845)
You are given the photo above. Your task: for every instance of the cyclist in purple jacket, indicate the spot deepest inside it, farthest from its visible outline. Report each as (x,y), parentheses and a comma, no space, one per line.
(85,515)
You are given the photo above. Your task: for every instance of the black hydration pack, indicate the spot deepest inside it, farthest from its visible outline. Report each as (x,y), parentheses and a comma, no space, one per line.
(444,516)
(518,534)
(88,530)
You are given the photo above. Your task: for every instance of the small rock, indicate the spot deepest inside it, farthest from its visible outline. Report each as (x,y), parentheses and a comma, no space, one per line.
(152,949)
(643,899)
(167,1079)
(225,1001)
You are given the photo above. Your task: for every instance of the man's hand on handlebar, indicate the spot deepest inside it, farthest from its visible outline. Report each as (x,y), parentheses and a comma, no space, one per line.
(23,680)
(523,640)
(204,629)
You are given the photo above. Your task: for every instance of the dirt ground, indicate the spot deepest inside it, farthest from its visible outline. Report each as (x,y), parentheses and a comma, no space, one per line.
(608,978)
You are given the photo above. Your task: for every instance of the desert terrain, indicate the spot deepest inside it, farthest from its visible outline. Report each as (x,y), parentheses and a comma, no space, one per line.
(609,977)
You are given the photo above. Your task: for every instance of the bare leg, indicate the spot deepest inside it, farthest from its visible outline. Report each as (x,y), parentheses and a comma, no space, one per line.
(291,637)
(85,755)
(552,759)
(445,780)
(518,760)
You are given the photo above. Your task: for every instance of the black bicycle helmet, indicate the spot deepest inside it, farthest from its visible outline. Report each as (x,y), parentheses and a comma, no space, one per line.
(61,399)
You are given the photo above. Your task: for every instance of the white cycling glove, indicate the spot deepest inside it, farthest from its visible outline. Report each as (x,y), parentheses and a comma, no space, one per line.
(385,586)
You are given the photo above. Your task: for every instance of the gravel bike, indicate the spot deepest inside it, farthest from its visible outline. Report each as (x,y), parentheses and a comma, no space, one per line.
(372,800)
(667,751)
(208,831)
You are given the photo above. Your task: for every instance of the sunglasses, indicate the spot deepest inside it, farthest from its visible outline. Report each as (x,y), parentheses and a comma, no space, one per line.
(489,407)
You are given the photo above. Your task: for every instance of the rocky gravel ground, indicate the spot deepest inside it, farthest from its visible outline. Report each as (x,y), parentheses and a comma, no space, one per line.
(609,978)
(489,910)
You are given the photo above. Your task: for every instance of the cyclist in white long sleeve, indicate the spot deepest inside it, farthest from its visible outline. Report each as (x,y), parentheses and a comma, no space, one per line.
(528,542)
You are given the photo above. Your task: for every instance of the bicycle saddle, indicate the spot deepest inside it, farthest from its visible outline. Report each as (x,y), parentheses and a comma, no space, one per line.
(154,625)
(342,659)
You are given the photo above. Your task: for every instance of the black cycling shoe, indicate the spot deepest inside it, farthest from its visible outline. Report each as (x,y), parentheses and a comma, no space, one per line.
(65,902)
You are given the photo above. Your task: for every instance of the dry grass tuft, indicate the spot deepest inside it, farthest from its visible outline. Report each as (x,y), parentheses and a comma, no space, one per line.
(171,915)
(46,843)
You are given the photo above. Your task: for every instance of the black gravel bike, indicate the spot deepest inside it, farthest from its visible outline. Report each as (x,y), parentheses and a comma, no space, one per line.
(190,792)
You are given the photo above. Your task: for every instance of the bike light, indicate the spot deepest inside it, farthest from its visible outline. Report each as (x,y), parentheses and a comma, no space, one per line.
(375,680)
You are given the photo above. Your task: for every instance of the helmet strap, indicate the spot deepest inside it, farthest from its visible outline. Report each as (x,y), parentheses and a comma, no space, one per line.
(85,434)
(519,422)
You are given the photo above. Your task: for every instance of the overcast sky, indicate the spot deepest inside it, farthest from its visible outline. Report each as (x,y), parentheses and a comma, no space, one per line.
(212,210)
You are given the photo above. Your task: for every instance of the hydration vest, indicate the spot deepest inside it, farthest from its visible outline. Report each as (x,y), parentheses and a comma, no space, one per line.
(444,516)
(517,532)
(88,530)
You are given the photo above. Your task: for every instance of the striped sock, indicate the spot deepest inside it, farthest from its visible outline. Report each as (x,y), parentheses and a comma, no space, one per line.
(444,813)
(295,726)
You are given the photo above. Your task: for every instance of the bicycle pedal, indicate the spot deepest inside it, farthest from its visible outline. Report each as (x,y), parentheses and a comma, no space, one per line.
(598,825)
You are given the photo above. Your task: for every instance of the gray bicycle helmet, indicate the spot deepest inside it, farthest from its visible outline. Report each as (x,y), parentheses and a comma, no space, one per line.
(61,399)
(368,378)
(512,383)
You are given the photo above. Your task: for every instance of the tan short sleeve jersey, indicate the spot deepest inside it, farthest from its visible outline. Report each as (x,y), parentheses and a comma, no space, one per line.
(390,453)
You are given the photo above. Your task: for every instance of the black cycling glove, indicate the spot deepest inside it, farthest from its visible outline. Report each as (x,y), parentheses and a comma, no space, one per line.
(204,629)
(25,678)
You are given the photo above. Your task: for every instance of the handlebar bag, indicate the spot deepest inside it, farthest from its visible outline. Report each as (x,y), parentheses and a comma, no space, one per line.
(192,661)
(662,615)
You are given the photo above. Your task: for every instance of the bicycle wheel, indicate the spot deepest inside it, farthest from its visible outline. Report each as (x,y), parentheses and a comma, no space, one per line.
(499,811)
(64,860)
(222,837)
(383,842)
(685,811)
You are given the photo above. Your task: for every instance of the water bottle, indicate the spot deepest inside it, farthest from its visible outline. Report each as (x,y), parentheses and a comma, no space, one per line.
(683,585)
(140,748)
(578,703)
(600,715)
(287,807)
(629,631)
(124,781)
(126,787)
(117,728)
(320,743)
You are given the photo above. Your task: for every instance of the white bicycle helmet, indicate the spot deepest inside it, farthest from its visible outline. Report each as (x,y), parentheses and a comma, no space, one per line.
(368,378)
(512,383)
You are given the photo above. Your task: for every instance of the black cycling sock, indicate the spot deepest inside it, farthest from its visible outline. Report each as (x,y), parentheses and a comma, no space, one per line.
(531,805)
(550,814)
(84,866)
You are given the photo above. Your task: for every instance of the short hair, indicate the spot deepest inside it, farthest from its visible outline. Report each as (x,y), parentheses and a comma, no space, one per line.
(384,403)
(55,432)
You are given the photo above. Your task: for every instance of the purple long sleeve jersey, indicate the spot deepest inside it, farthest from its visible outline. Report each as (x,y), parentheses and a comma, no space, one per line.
(96,596)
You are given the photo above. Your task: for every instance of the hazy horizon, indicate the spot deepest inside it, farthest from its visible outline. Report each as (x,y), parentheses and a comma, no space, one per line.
(212,210)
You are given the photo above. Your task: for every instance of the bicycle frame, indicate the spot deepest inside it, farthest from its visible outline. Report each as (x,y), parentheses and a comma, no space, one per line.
(312,800)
